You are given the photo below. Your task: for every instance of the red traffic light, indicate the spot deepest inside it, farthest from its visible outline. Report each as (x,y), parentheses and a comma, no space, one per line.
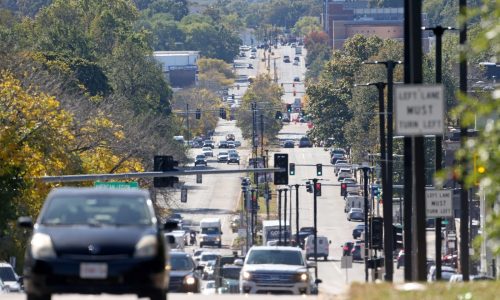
(343,186)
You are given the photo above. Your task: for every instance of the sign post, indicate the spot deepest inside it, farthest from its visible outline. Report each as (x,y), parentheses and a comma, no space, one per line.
(346,263)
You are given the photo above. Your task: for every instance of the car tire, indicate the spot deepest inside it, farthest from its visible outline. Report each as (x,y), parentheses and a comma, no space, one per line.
(201,245)
(158,295)
(220,245)
(30,296)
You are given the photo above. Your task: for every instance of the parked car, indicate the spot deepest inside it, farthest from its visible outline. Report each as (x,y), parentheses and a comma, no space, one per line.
(222,156)
(207,151)
(356,214)
(184,275)
(11,281)
(233,158)
(288,144)
(200,160)
(358,230)
(85,240)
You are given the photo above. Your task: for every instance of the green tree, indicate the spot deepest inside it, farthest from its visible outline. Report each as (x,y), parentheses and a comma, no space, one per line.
(267,95)
(306,25)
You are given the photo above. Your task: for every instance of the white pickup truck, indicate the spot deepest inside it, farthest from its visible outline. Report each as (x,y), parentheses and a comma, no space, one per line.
(275,269)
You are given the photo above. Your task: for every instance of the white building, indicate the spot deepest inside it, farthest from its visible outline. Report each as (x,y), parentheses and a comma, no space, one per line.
(180,67)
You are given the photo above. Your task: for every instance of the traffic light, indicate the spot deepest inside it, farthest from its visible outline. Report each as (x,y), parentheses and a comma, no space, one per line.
(245,182)
(292,169)
(281,161)
(198,114)
(289,107)
(278,115)
(377,233)
(318,189)
(375,191)
(164,163)
(222,113)
(343,189)
(309,187)
(319,169)
(397,232)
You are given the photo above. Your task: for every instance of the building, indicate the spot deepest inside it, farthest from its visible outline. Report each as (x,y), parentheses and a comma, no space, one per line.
(344,19)
(180,67)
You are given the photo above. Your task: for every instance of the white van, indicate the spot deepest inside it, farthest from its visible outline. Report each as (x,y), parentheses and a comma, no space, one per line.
(323,246)
(354,201)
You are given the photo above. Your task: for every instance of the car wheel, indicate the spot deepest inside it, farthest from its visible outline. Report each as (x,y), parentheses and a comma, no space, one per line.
(201,245)
(38,297)
(158,295)
(220,245)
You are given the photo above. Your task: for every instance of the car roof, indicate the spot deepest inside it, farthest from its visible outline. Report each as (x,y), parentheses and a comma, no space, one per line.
(180,253)
(282,248)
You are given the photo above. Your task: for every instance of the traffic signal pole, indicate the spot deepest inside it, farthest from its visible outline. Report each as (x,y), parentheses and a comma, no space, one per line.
(365,182)
(315,180)
(284,215)
(297,213)
(279,215)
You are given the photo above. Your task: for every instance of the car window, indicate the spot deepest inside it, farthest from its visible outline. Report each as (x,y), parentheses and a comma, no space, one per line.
(7,274)
(210,230)
(257,257)
(208,257)
(96,210)
(181,263)
(231,273)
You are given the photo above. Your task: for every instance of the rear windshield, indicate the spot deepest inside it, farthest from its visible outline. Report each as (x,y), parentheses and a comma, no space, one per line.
(181,263)
(78,209)
(231,273)
(7,274)
(257,257)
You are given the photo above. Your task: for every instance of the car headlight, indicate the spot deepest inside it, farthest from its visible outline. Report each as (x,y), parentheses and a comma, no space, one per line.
(302,277)
(41,246)
(217,239)
(247,275)
(146,247)
(189,280)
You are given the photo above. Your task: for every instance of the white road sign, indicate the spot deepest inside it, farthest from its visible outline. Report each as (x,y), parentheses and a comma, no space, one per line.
(419,110)
(438,203)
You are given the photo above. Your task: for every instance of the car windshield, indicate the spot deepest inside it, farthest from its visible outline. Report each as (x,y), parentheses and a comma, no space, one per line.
(181,263)
(208,257)
(231,273)
(7,274)
(210,230)
(198,252)
(222,153)
(282,257)
(104,209)
(200,157)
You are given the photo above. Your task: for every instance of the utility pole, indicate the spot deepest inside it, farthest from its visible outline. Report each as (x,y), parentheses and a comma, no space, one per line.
(297,213)
(252,226)
(414,46)
(464,203)
(438,33)
(290,217)
(262,135)
(268,198)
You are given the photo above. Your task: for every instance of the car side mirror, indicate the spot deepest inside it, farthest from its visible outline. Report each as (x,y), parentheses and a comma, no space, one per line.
(238,262)
(25,222)
(318,281)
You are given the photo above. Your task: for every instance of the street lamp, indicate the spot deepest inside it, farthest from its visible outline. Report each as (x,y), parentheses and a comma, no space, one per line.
(438,32)
(387,195)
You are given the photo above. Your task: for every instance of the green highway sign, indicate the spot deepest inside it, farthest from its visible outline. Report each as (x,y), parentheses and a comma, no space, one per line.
(117,184)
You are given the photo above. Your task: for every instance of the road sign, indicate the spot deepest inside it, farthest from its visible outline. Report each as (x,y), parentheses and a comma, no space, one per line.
(346,262)
(438,203)
(117,184)
(419,109)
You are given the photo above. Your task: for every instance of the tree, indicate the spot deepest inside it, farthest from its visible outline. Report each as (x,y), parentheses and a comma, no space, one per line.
(267,95)
(306,25)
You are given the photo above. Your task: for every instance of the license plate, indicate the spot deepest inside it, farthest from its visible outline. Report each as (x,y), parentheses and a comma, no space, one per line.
(93,270)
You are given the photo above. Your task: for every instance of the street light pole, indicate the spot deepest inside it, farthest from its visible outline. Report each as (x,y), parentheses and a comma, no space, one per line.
(387,193)
(253,216)
(438,33)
